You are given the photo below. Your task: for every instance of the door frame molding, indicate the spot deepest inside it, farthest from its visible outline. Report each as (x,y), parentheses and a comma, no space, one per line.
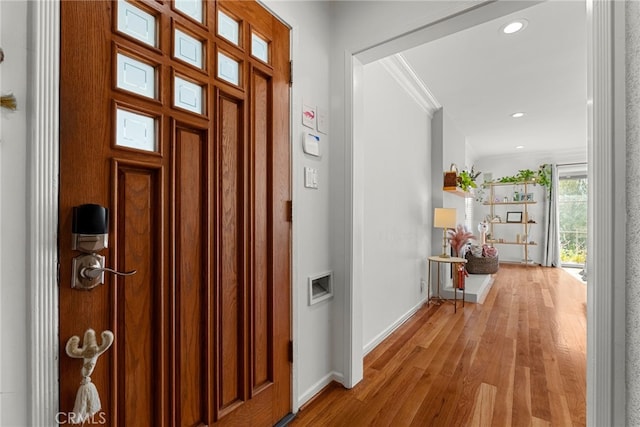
(606,309)
(606,390)
(42,259)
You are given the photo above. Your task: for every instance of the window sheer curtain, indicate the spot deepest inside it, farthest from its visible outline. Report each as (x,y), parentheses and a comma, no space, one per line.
(551,255)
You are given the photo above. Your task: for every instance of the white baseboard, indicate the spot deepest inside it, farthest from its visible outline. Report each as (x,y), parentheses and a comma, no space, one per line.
(317,387)
(389,330)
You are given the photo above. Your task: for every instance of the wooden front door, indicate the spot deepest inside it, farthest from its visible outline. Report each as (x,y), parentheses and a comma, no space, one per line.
(175,116)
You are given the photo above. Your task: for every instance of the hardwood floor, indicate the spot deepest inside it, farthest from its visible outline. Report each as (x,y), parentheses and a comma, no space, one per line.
(519,359)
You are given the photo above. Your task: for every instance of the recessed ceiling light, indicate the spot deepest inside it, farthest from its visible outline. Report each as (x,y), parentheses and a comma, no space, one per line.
(517,115)
(519,147)
(514,26)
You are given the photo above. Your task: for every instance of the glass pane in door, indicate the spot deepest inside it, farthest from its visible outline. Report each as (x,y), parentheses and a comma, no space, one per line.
(572,206)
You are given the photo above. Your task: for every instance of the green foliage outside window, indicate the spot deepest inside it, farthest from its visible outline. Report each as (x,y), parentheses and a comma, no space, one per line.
(572,204)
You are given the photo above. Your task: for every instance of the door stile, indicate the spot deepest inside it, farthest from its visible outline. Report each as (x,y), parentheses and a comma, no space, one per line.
(172,291)
(250,205)
(164,260)
(211,195)
(248,257)
(209,279)
(280,227)
(217,270)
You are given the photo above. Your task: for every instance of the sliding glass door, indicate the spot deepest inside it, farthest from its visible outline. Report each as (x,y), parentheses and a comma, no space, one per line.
(572,206)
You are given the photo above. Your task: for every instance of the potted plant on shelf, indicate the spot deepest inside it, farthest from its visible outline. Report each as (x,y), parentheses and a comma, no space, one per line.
(467,179)
(540,177)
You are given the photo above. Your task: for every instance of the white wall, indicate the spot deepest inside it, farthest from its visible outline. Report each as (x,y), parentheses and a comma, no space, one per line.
(13,217)
(312,329)
(320,244)
(454,151)
(396,204)
(355,27)
(633,213)
(448,147)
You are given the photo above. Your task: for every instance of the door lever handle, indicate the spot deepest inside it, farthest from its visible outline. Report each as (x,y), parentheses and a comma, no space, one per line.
(88,271)
(91,273)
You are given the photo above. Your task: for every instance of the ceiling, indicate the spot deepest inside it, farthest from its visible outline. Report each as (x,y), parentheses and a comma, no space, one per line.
(481,76)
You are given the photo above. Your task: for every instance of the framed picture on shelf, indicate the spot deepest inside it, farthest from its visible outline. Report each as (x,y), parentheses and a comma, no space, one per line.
(514,216)
(528,197)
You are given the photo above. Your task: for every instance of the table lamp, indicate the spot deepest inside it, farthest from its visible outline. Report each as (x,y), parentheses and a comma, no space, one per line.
(444,218)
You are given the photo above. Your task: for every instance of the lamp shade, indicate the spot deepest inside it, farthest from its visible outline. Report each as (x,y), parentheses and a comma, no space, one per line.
(444,218)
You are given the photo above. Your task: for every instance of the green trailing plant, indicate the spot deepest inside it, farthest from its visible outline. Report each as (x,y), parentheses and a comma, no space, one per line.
(542,176)
(523,175)
(467,179)
(526,175)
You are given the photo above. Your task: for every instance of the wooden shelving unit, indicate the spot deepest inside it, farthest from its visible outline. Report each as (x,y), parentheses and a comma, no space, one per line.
(524,223)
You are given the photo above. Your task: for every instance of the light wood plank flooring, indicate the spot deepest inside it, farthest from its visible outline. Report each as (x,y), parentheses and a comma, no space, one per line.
(519,359)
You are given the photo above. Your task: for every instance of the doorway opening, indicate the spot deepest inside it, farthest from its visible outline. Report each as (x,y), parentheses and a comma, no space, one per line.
(572,206)
(606,139)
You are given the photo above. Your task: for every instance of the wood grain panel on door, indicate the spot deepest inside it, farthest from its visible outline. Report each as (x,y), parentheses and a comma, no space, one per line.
(231,307)
(261,286)
(190,265)
(136,302)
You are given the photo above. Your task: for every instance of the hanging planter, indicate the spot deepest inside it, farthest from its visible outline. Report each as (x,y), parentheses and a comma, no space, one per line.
(451,178)
(460,183)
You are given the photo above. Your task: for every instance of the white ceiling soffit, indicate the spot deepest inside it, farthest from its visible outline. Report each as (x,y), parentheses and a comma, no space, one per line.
(481,76)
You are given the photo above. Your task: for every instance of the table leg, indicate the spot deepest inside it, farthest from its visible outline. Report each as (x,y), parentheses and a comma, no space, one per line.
(455,298)
(429,281)
(439,297)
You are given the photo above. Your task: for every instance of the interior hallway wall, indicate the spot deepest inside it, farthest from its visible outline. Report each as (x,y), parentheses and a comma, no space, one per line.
(314,365)
(396,204)
(14,332)
(358,25)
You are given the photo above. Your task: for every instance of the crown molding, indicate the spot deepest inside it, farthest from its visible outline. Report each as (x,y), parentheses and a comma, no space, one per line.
(401,71)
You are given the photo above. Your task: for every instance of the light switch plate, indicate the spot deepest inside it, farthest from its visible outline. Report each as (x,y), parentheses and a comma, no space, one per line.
(310,177)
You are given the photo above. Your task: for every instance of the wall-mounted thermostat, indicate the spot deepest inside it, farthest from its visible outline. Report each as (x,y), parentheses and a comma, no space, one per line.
(311,144)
